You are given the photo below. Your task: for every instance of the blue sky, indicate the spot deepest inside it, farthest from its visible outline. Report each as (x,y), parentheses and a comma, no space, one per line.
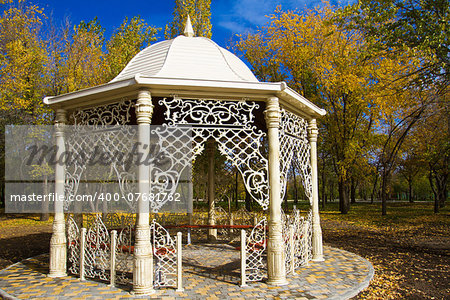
(228,17)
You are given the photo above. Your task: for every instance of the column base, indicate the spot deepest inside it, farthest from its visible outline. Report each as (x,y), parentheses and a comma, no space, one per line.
(212,235)
(142,292)
(318,259)
(56,274)
(277,282)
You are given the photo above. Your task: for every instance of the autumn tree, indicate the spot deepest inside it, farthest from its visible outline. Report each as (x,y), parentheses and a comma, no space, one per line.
(325,64)
(199,12)
(22,64)
(77,57)
(432,140)
(418,30)
(128,40)
(409,167)
(254,49)
(420,25)
(82,58)
(337,69)
(395,128)
(23,58)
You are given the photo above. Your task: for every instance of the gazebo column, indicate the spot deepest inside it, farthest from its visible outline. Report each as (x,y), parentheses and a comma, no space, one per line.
(143,256)
(58,248)
(275,248)
(210,148)
(317,250)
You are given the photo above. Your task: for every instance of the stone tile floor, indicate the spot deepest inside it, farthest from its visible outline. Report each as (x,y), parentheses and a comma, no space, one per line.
(210,271)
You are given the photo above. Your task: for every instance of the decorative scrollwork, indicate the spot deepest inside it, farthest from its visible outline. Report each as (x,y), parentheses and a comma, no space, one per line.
(164,253)
(73,246)
(230,124)
(105,115)
(209,112)
(124,255)
(174,145)
(99,130)
(97,252)
(255,247)
(306,248)
(299,249)
(294,149)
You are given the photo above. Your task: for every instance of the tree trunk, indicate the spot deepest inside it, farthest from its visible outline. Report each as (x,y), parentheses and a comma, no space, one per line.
(410,197)
(372,196)
(353,191)
(384,180)
(344,203)
(332,192)
(363,191)
(436,201)
(248,201)
(286,206)
(441,186)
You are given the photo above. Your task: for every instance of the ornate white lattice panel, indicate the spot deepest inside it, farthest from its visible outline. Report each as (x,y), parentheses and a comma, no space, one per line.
(294,149)
(174,144)
(305,252)
(164,256)
(301,243)
(97,250)
(230,124)
(124,255)
(209,112)
(73,246)
(96,130)
(105,115)
(254,250)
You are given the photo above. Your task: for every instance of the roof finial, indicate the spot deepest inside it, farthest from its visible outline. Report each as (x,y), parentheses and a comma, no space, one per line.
(188,31)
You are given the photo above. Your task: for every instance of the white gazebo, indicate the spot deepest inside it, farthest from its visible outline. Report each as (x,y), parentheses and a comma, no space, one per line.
(192,81)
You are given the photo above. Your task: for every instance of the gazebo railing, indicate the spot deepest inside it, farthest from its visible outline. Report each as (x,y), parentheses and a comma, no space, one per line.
(297,235)
(99,253)
(164,255)
(73,246)
(253,247)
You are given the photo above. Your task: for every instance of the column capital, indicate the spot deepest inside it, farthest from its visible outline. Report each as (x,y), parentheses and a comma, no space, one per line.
(313,130)
(144,107)
(60,116)
(272,112)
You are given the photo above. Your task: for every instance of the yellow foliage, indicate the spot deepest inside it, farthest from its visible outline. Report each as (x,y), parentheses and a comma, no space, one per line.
(22,61)
(334,68)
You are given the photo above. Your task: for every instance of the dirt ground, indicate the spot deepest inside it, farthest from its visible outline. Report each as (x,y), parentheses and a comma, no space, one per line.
(408,264)
(412,264)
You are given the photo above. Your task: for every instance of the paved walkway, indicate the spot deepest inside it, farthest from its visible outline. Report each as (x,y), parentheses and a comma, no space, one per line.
(210,272)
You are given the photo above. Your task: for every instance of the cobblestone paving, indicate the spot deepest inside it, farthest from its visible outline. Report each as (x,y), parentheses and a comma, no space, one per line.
(211,271)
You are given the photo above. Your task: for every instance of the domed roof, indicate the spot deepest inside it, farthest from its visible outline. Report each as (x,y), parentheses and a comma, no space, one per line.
(186,57)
